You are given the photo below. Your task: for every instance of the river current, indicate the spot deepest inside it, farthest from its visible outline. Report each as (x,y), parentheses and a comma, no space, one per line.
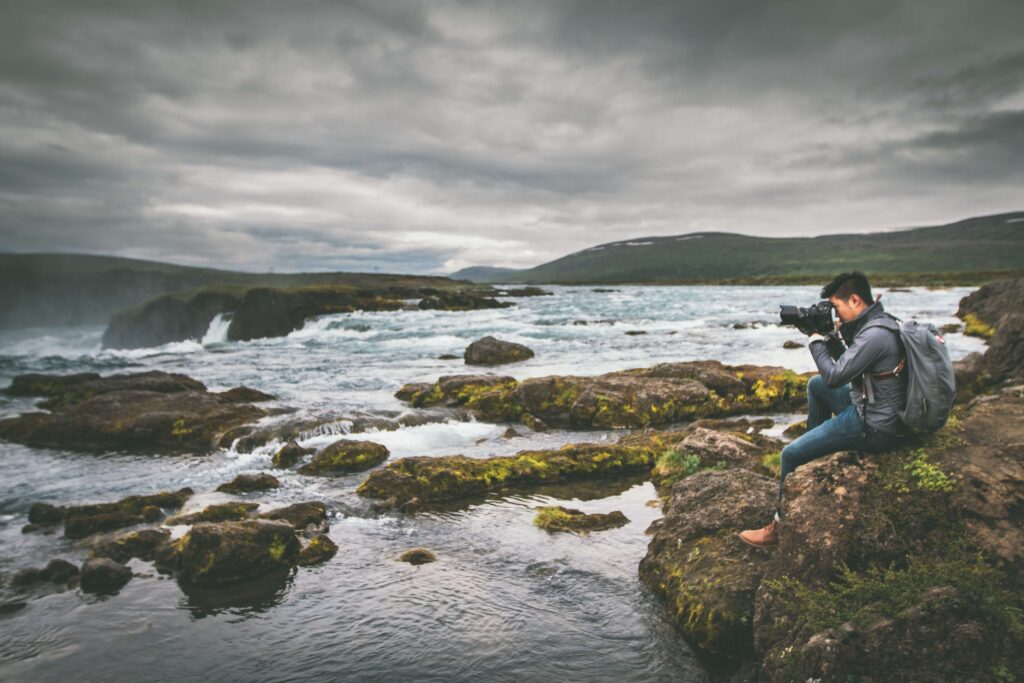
(504,601)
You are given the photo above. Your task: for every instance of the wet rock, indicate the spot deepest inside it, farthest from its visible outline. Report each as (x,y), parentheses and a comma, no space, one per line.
(168,318)
(417,556)
(991,302)
(222,512)
(245,395)
(318,551)
(83,520)
(142,544)
(103,575)
(790,344)
(456,476)
(950,328)
(662,394)
(491,351)
(524,291)
(460,301)
(289,454)
(696,561)
(796,429)
(704,448)
(12,607)
(150,412)
(44,513)
(533,422)
(634,333)
(275,312)
(232,551)
(299,515)
(246,483)
(448,356)
(346,456)
(60,571)
(510,433)
(558,518)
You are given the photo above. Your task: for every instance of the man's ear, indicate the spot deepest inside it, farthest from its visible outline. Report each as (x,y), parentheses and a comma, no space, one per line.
(855,301)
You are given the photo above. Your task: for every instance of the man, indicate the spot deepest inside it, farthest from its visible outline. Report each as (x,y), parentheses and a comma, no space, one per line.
(844,412)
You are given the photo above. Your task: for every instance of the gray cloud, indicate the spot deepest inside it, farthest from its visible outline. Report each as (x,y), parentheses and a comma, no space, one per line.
(419,137)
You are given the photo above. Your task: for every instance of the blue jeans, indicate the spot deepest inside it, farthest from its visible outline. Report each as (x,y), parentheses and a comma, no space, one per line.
(833,424)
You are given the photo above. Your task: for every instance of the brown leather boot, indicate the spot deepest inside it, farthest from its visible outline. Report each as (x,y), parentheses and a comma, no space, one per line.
(765,537)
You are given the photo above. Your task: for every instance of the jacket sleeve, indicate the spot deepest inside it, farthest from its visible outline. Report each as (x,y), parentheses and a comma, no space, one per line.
(865,350)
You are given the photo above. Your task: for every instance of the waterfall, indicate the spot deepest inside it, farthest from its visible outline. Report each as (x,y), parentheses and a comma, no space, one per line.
(217,332)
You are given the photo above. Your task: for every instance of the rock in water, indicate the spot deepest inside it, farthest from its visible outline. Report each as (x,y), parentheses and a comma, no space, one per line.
(216,513)
(231,551)
(558,518)
(103,575)
(491,351)
(289,454)
(245,483)
(346,457)
(319,550)
(417,556)
(83,520)
(300,515)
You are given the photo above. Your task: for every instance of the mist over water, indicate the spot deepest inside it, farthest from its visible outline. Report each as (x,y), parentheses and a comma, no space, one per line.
(504,600)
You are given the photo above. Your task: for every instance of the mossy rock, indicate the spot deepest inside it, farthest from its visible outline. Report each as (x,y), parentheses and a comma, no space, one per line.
(246,483)
(429,480)
(222,512)
(289,454)
(300,515)
(418,556)
(317,551)
(558,518)
(346,456)
(142,544)
(491,351)
(82,520)
(219,552)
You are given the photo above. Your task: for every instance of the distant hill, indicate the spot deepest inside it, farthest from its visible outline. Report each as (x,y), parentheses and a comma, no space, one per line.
(484,274)
(78,289)
(974,245)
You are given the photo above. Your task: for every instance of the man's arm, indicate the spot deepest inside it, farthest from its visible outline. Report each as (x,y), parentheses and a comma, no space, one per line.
(864,351)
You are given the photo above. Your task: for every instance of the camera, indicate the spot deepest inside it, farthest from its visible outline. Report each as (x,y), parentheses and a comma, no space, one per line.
(816,318)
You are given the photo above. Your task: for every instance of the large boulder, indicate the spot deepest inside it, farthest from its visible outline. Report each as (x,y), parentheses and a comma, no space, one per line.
(232,551)
(103,575)
(491,351)
(150,412)
(346,456)
(989,303)
(642,397)
(697,562)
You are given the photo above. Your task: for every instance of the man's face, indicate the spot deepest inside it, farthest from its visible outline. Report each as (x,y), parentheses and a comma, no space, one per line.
(848,309)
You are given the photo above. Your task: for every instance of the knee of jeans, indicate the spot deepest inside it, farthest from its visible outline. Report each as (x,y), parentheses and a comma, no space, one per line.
(786,464)
(815,385)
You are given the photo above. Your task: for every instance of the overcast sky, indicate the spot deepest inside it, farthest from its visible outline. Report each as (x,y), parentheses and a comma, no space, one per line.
(424,137)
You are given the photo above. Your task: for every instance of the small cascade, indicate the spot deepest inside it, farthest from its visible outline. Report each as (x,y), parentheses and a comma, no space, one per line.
(217,332)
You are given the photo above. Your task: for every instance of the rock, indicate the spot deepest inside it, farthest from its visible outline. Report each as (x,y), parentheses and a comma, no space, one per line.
(150,412)
(275,312)
(26,577)
(318,551)
(988,304)
(245,395)
(289,454)
(1004,359)
(103,575)
(524,291)
(246,483)
(168,318)
(634,333)
(558,518)
(44,513)
(83,520)
(460,301)
(219,552)
(796,429)
(696,561)
(431,479)
(662,394)
(60,571)
(418,556)
(900,289)
(950,328)
(142,544)
(346,456)
(299,515)
(533,422)
(704,448)
(490,351)
(790,344)
(216,513)
(448,356)
(510,433)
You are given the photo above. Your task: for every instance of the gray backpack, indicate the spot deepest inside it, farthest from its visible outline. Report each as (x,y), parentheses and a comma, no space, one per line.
(931,386)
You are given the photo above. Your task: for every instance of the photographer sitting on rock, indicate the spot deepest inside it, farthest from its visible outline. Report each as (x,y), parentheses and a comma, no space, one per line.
(844,412)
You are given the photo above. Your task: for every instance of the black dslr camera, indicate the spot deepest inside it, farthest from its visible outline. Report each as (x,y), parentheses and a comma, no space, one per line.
(816,318)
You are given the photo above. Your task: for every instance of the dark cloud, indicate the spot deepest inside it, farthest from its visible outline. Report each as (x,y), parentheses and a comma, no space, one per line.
(424,137)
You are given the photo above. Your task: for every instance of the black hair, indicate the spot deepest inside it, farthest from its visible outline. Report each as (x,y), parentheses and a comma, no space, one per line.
(846,285)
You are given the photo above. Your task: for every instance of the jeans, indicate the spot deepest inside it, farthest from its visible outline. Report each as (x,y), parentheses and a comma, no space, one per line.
(833,424)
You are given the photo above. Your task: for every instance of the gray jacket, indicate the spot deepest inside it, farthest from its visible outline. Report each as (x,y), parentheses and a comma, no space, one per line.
(873,350)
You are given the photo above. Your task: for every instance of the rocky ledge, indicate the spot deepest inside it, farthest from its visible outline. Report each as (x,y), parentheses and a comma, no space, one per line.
(907,565)
(662,394)
(149,412)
